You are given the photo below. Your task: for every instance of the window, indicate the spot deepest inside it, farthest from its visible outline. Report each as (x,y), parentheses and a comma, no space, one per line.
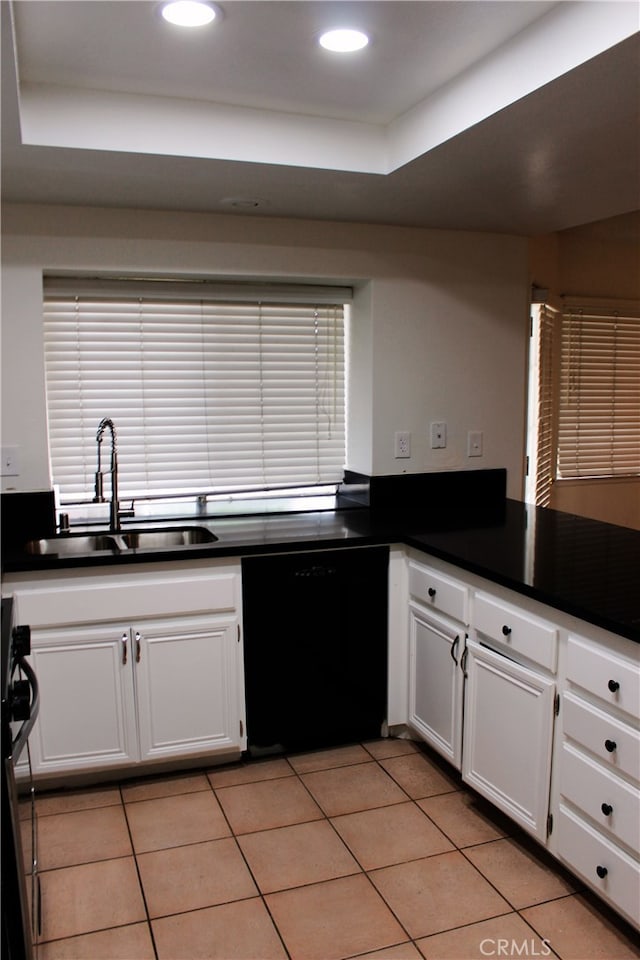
(584,391)
(211,387)
(599,401)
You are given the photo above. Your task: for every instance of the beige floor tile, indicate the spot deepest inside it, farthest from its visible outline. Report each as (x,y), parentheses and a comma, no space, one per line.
(234,931)
(174,821)
(577,930)
(508,937)
(390,747)
(348,789)
(521,876)
(92,896)
(267,804)
(82,836)
(437,893)
(194,876)
(465,818)
(250,772)
(332,920)
(326,759)
(419,776)
(391,834)
(120,943)
(296,855)
(67,801)
(164,787)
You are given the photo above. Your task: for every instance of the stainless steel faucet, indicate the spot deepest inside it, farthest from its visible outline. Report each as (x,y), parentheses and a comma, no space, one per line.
(114,507)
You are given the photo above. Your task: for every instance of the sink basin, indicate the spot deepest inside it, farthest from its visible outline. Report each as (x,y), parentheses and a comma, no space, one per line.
(167,537)
(71,544)
(120,541)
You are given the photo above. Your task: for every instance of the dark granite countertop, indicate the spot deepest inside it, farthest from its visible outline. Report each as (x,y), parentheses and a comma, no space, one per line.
(585,568)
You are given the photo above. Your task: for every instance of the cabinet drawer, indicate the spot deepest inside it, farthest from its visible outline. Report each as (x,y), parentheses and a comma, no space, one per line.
(439,592)
(516,630)
(607,676)
(117,599)
(585,851)
(613,742)
(612,803)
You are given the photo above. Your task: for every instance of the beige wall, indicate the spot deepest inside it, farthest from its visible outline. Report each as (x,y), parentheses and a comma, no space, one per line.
(439,325)
(600,260)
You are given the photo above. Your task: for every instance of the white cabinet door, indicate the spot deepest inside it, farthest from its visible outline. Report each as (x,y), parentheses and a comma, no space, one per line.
(508,733)
(436,682)
(186,674)
(87,712)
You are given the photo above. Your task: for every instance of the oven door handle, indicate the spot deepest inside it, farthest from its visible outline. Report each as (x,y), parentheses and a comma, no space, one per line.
(23,733)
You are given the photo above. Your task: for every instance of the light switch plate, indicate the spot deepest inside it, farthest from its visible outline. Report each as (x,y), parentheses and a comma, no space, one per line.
(438,435)
(474,443)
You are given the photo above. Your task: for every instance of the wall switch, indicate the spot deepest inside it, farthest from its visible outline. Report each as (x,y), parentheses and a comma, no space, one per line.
(402,445)
(474,443)
(438,435)
(10,462)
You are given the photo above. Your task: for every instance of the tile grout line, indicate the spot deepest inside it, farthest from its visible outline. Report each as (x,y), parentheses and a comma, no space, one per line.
(248,865)
(138,874)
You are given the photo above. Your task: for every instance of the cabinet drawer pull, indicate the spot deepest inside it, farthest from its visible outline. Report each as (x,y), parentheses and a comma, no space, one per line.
(432,592)
(601,871)
(610,746)
(506,630)
(138,650)
(607,809)
(613,686)
(124,649)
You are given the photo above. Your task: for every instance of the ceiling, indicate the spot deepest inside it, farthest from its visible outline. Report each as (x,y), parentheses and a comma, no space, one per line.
(500,115)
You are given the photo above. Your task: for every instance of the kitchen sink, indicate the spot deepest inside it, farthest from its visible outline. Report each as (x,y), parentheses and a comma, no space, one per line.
(167,537)
(73,544)
(120,541)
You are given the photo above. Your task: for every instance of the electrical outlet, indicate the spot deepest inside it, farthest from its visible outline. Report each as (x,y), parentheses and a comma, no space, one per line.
(474,443)
(10,462)
(438,435)
(402,444)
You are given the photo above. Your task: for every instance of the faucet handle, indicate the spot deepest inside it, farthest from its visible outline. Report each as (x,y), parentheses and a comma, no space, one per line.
(99,495)
(129,512)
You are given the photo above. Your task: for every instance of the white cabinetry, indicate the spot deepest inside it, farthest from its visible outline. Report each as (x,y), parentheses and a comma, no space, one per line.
(509,710)
(598,813)
(438,614)
(145,667)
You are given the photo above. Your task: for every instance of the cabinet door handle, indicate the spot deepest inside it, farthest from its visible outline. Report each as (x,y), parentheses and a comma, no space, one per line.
(506,630)
(610,746)
(613,686)
(432,592)
(601,871)
(454,649)
(138,648)
(124,649)
(607,809)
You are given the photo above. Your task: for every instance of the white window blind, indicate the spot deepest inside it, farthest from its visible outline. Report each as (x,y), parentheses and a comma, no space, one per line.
(599,399)
(206,395)
(547,320)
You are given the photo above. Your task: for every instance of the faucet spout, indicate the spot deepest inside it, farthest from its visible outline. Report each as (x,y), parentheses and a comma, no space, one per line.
(114,507)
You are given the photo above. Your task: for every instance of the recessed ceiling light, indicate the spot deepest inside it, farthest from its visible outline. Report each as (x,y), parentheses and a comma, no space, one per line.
(189,13)
(344,41)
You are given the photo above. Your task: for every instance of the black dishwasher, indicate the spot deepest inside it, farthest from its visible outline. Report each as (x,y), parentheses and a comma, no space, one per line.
(315,647)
